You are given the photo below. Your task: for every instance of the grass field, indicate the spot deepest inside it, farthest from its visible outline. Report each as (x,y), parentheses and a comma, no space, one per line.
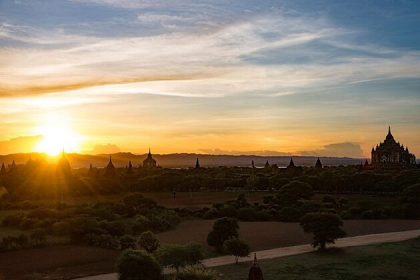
(375,262)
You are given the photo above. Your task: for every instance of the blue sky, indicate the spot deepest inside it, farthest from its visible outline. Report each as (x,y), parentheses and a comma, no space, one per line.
(291,77)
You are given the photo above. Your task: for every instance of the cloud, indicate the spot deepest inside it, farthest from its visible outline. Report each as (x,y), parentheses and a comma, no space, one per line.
(346,149)
(234,152)
(267,54)
(105,149)
(20,144)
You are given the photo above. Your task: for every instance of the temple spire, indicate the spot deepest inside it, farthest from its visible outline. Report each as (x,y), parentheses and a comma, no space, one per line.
(389,136)
(197,164)
(291,163)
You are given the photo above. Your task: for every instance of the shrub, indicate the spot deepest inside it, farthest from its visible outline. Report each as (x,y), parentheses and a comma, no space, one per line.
(42,213)
(223,229)
(138,265)
(148,241)
(13,220)
(292,192)
(237,248)
(127,242)
(140,224)
(103,240)
(325,227)
(80,228)
(179,256)
(115,228)
(410,199)
(211,214)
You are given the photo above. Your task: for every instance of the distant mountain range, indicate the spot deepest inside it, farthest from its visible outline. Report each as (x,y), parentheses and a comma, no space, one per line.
(183,160)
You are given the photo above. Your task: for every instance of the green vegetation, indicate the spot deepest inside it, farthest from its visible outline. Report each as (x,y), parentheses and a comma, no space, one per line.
(223,229)
(106,225)
(237,248)
(179,256)
(375,262)
(325,227)
(148,241)
(138,265)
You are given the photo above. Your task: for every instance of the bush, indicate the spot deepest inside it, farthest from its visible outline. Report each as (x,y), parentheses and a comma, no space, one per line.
(223,229)
(80,228)
(148,241)
(127,242)
(140,224)
(178,256)
(14,242)
(42,213)
(138,265)
(103,240)
(325,227)
(292,192)
(115,228)
(410,199)
(237,248)
(13,220)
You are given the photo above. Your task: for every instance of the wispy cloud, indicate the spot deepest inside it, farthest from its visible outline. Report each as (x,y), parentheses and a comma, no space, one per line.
(191,64)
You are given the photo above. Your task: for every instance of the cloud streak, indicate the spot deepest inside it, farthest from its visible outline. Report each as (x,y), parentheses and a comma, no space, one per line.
(191,64)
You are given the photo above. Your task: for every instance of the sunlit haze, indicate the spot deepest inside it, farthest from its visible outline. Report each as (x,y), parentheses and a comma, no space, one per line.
(220,77)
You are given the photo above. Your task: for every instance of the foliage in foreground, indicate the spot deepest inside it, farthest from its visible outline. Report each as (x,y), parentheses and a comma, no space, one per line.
(179,256)
(325,227)
(237,248)
(138,265)
(223,229)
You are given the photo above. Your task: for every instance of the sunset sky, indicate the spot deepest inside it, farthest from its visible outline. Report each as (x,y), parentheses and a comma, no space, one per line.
(239,77)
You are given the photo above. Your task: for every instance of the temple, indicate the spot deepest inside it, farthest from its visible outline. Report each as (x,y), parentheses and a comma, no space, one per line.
(318,164)
(255,272)
(291,164)
(149,162)
(391,154)
(110,168)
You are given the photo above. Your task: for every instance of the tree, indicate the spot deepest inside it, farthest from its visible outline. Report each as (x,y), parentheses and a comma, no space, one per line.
(136,203)
(128,242)
(410,199)
(138,265)
(326,227)
(292,192)
(148,241)
(178,256)
(237,248)
(223,229)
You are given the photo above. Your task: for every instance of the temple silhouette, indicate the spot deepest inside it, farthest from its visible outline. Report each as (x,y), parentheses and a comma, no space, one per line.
(149,162)
(391,154)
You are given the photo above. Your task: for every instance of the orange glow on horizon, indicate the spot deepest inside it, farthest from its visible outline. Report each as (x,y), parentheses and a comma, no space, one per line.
(57,135)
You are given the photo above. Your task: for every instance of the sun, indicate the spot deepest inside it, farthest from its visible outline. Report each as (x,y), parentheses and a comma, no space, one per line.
(57,135)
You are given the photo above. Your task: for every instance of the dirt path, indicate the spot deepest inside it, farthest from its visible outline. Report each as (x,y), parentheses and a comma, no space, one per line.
(295,250)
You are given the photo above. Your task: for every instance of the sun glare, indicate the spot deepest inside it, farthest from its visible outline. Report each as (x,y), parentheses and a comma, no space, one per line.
(57,135)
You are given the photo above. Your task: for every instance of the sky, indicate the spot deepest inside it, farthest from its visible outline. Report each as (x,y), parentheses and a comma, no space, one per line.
(278,77)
